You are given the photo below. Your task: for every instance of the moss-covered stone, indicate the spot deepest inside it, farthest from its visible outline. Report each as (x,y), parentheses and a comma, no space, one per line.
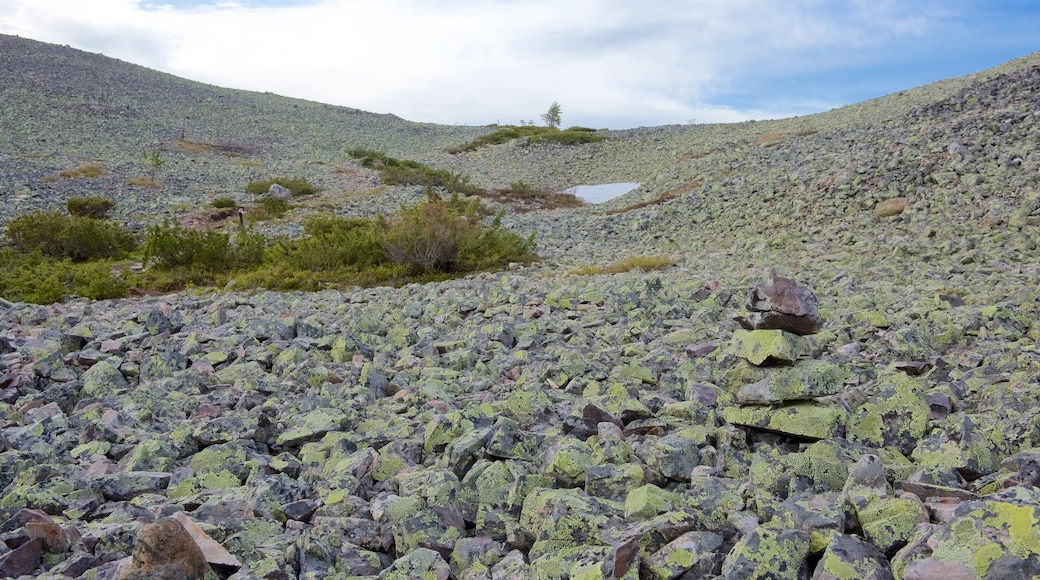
(851,558)
(767,347)
(103,379)
(807,380)
(889,523)
(765,553)
(896,414)
(648,501)
(809,420)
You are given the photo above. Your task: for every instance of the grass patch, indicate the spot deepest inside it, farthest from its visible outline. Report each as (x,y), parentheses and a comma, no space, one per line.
(145,181)
(89,171)
(535,134)
(394,171)
(268,208)
(645,263)
(297,186)
(528,197)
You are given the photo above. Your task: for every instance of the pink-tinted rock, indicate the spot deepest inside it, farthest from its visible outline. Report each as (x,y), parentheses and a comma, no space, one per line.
(782,304)
(165,550)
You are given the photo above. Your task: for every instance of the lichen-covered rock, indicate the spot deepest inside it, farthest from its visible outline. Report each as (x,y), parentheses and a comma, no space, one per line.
(822,515)
(808,420)
(851,558)
(693,553)
(984,539)
(765,553)
(103,379)
(807,380)
(673,456)
(312,426)
(420,563)
(896,414)
(962,442)
(565,518)
(889,522)
(767,347)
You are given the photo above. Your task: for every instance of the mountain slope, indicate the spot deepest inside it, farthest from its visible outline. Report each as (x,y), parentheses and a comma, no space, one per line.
(538,422)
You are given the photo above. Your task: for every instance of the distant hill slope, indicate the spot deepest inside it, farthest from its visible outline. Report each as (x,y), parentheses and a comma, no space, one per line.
(959,152)
(63,107)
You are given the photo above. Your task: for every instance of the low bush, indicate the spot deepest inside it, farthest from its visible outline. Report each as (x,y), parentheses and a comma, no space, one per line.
(94,206)
(76,238)
(527,197)
(169,246)
(145,181)
(407,172)
(36,278)
(447,236)
(225,203)
(267,208)
(570,136)
(297,186)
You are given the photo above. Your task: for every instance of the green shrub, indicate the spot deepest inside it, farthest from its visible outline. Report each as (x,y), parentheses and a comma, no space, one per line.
(568,137)
(447,236)
(76,238)
(169,246)
(98,281)
(269,208)
(95,206)
(225,203)
(407,172)
(38,279)
(572,135)
(297,186)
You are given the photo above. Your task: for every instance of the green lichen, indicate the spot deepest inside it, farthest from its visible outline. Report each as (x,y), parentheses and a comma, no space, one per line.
(648,501)
(681,559)
(838,568)
(761,347)
(889,523)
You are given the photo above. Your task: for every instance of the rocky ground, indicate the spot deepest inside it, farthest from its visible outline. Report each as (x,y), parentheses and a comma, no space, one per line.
(535,422)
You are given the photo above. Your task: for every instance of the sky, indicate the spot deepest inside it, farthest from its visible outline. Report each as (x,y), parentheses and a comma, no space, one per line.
(608,63)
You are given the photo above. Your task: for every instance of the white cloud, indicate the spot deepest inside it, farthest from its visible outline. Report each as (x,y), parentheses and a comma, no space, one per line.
(608,62)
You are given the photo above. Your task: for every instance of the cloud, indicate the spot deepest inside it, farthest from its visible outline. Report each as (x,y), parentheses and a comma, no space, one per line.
(608,62)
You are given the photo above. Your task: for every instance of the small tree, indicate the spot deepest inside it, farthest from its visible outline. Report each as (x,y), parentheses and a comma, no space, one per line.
(153,160)
(552,116)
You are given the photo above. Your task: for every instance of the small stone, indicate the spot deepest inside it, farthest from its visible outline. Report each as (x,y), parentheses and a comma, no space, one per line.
(891,207)
(165,550)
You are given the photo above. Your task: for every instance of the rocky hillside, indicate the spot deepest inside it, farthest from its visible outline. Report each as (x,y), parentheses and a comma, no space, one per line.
(878,418)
